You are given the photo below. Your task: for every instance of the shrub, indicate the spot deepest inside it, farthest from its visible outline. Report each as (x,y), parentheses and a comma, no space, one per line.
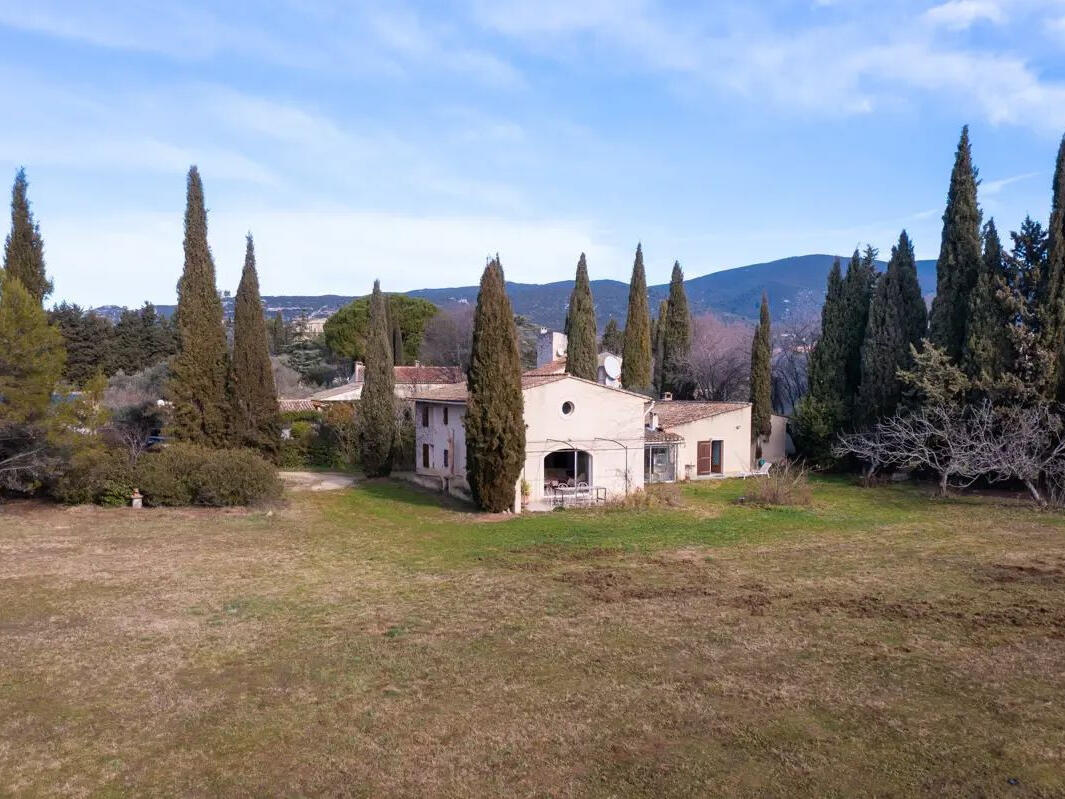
(786,484)
(185,474)
(96,475)
(654,495)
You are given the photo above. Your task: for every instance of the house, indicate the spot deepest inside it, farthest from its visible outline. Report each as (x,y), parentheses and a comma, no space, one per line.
(692,440)
(551,350)
(576,432)
(779,444)
(410,380)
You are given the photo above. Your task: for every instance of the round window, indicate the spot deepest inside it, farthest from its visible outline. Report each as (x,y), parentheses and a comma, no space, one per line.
(567,408)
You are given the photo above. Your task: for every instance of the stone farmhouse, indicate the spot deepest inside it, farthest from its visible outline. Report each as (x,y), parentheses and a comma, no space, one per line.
(410,380)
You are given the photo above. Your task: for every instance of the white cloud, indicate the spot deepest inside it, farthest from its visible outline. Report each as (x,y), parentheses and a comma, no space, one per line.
(962,14)
(992,188)
(98,260)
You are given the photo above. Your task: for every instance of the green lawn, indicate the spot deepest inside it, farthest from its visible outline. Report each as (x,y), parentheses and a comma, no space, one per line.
(376,642)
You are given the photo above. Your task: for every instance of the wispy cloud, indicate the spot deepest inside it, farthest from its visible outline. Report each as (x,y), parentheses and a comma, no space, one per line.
(991,188)
(961,14)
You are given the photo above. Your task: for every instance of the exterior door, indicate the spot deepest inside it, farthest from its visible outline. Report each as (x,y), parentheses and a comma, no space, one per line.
(715,457)
(703,459)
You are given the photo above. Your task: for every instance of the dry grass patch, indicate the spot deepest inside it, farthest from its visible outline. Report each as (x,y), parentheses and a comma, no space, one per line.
(370,643)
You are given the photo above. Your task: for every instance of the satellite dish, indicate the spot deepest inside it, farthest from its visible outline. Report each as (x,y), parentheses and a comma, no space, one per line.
(612,366)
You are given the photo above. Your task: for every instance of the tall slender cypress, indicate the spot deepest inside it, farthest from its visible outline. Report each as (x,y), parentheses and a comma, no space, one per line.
(761,376)
(377,406)
(613,340)
(857,295)
(897,320)
(636,359)
(198,376)
(1052,284)
(826,373)
(959,256)
(254,394)
(676,337)
(24,248)
(986,354)
(581,352)
(658,348)
(495,421)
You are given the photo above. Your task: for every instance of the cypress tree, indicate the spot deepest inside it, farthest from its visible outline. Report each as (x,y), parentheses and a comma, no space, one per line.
(24,249)
(581,353)
(256,422)
(826,373)
(986,354)
(377,407)
(198,377)
(613,340)
(897,320)
(658,328)
(857,295)
(958,266)
(761,376)
(676,336)
(495,422)
(396,341)
(636,358)
(1052,284)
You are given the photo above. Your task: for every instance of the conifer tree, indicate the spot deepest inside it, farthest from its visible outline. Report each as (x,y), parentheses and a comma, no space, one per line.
(377,407)
(636,358)
(761,376)
(676,337)
(1052,284)
(581,352)
(857,295)
(24,249)
(495,422)
(986,354)
(31,356)
(897,321)
(199,375)
(658,329)
(959,256)
(255,416)
(613,340)
(396,340)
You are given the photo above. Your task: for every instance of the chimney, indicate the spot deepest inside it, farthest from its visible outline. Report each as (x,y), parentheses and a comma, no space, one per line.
(667,396)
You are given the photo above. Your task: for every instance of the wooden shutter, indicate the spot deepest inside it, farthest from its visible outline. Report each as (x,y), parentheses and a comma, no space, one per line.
(704,459)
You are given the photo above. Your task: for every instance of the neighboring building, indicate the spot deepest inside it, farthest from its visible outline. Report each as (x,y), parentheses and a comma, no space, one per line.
(576,432)
(315,326)
(410,380)
(551,350)
(696,440)
(779,444)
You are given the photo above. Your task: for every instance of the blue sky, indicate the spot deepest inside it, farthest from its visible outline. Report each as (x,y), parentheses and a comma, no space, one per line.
(407,141)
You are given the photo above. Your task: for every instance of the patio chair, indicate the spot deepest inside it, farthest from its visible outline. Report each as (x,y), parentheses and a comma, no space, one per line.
(761,471)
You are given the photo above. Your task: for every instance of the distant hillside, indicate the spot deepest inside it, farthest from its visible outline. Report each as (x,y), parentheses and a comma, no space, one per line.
(795,285)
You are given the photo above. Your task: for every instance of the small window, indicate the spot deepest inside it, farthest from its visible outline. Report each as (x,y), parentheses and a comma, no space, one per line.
(425,416)
(445,422)
(445,459)
(567,408)
(425,456)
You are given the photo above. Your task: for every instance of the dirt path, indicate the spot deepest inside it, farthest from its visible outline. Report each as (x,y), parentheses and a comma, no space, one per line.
(316,481)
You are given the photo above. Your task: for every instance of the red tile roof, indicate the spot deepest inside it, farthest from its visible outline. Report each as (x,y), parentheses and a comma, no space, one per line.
(677,412)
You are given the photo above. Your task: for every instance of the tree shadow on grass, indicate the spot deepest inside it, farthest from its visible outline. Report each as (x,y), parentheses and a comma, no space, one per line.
(401,492)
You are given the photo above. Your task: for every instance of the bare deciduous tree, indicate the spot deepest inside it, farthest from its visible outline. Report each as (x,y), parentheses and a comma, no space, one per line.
(448,337)
(719,363)
(792,344)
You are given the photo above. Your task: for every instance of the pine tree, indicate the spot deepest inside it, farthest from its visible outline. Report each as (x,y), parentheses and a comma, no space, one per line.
(958,266)
(1052,284)
(31,356)
(127,353)
(897,322)
(658,348)
(255,413)
(677,337)
(157,336)
(495,423)
(24,249)
(198,382)
(87,338)
(986,354)
(761,376)
(636,358)
(581,353)
(377,407)
(613,340)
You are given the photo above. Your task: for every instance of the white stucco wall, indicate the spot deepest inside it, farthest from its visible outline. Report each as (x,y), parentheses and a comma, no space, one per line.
(733,428)
(774,449)
(440,437)
(606,423)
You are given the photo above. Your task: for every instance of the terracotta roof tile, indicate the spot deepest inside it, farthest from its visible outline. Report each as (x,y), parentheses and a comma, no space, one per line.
(660,437)
(677,412)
